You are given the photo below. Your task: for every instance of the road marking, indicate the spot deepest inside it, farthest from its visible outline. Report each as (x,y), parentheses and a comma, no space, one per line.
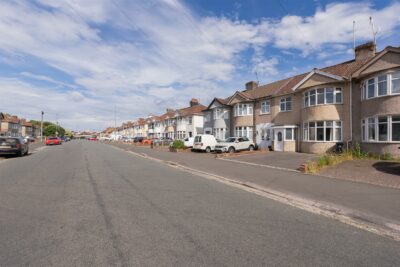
(360,221)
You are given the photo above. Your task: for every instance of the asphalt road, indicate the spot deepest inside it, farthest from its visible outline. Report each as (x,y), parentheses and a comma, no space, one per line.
(88,204)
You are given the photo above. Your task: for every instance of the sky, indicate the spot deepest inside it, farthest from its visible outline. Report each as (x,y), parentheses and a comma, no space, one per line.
(80,60)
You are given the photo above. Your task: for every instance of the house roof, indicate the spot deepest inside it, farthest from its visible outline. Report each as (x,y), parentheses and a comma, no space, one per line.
(285,86)
(222,101)
(193,110)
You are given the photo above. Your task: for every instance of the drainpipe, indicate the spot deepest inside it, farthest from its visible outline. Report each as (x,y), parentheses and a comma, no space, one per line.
(351,112)
(254,123)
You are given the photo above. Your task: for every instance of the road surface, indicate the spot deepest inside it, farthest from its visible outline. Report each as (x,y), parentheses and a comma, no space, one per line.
(88,204)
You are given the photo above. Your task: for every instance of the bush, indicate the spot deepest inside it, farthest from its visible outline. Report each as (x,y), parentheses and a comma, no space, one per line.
(178,144)
(387,156)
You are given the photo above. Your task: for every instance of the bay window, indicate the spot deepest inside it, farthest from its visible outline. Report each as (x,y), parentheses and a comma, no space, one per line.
(322,131)
(289,134)
(323,96)
(265,107)
(243,110)
(381,85)
(220,133)
(244,131)
(220,113)
(381,129)
(286,104)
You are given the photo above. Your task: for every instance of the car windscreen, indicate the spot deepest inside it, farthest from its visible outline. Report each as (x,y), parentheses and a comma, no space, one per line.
(197,139)
(230,140)
(8,141)
(53,138)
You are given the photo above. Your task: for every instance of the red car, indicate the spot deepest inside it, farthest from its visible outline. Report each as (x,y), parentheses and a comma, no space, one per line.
(53,141)
(92,139)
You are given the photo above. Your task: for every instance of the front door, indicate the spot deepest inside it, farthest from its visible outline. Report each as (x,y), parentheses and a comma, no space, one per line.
(278,140)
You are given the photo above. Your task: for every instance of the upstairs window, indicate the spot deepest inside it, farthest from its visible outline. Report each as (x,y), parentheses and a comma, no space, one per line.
(265,107)
(220,113)
(243,110)
(381,85)
(286,104)
(322,96)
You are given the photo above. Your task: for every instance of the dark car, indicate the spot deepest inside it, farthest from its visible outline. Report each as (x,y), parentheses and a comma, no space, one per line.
(138,139)
(13,146)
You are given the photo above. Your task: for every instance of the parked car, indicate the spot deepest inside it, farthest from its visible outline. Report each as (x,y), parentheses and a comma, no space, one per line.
(93,138)
(166,141)
(204,142)
(65,139)
(147,141)
(188,141)
(105,138)
(29,139)
(13,146)
(53,141)
(138,139)
(233,144)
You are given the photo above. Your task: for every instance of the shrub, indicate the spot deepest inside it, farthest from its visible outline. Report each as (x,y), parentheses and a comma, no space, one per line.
(357,153)
(178,144)
(386,156)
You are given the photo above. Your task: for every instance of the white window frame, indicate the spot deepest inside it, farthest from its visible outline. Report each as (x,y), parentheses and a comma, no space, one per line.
(375,79)
(335,125)
(336,91)
(365,129)
(265,107)
(243,109)
(244,131)
(285,101)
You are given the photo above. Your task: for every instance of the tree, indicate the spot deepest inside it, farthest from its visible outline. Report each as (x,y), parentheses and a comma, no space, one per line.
(51,129)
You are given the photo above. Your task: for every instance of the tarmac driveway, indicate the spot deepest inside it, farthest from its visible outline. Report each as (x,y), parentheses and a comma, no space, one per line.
(288,160)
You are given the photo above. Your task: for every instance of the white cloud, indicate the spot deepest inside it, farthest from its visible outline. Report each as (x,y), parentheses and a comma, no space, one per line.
(333,25)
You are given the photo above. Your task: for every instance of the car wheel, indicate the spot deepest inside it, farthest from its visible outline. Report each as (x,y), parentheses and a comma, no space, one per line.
(231,149)
(251,148)
(20,153)
(208,149)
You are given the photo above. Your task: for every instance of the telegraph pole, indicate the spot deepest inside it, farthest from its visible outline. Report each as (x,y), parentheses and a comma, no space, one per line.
(41,128)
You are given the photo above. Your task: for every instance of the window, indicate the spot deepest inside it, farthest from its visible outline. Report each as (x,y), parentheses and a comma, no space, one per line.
(382,85)
(265,107)
(207,117)
(395,128)
(371,129)
(221,114)
(381,129)
(220,133)
(386,84)
(289,136)
(286,104)
(322,131)
(244,131)
(395,82)
(243,110)
(322,96)
(190,120)
(371,88)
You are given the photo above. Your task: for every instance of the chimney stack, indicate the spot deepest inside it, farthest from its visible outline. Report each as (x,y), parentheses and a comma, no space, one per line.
(251,85)
(365,51)
(194,102)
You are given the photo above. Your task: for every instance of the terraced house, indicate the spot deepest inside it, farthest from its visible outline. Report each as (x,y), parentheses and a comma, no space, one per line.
(354,101)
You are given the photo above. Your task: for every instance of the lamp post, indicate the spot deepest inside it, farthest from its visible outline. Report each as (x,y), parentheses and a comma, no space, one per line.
(41,128)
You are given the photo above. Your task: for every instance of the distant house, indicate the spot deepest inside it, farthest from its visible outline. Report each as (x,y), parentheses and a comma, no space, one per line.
(10,125)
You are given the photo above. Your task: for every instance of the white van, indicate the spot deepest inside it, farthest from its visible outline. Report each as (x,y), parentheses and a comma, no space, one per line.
(204,142)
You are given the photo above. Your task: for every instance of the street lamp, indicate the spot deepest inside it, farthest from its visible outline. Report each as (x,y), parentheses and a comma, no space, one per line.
(41,128)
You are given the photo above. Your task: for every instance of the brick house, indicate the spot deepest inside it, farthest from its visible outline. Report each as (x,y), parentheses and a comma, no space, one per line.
(357,101)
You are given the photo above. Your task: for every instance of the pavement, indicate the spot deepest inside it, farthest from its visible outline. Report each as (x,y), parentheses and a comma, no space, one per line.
(86,204)
(288,160)
(365,203)
(378,172)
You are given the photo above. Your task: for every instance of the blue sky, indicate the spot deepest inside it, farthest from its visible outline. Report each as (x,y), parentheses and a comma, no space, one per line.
(79,58)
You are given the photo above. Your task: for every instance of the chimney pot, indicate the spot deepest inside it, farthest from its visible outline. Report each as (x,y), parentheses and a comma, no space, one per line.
(194,102)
